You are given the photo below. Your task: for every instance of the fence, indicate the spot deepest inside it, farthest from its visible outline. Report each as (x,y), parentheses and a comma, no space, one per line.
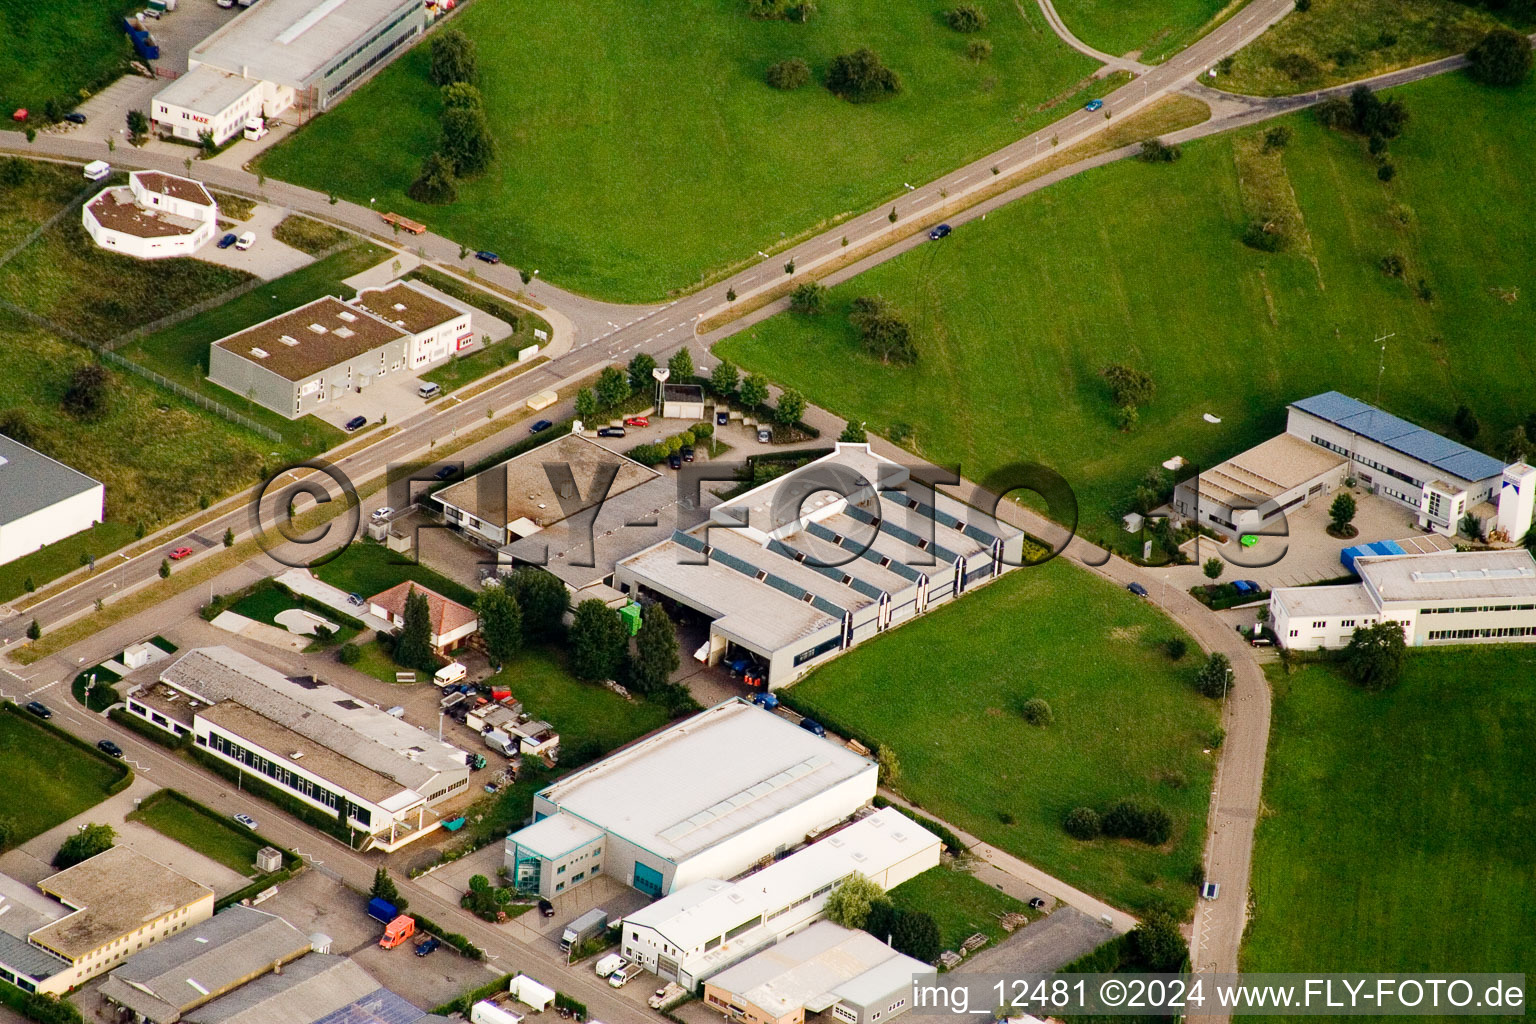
(35,233)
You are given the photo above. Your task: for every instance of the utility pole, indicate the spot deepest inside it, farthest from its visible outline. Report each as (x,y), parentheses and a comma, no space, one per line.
(1382,369)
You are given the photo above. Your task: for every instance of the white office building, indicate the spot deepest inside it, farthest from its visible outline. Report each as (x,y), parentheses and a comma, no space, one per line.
(708,797)
(1444,598)
(156,216)
(207,99)
(42,500)
(707,926)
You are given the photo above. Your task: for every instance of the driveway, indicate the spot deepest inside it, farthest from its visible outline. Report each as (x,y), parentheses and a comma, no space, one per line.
(268,258)
(1047,945)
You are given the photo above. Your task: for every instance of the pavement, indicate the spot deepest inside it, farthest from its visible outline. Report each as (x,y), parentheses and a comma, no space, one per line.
(268,258)
(1065,35)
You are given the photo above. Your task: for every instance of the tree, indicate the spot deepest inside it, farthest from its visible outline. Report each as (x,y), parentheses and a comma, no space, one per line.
(462,94)
(1128,387)
(501,623)
(138,126)
(1277,137)
(853,433)
(889,766)
(916,934)
(1374,656)
(724,378)
(1341,514)
(206,144)
(885,332)
(229,537)
(34,631)
(1335,113)
(656,656)
(612,386)
(597,642)
(1214,567)
(640,368)
(681,365)
(1083,823)
(861,77)
(809,298)
(848,905)
(754,390)
(586,405)
(1037,711)
(88,392)
(1466,423)
(349,654)
(83,845)
(1214,679)
(788,74)
(384,889)
(966,18)
(1517,444)
(7,833)
(413,643)
(435,184)
(1373,115)
(466,141)
(543,598)
(1156,151)
(453,59)
(1176,648)
(1502,57)
(1158,944)
(165,568)
(791,407)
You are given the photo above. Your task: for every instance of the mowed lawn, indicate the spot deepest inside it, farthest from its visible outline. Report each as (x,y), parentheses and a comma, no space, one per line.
(1153,29)
(46,779)
(944,692)
(44,190)
(1400,828)
(1017,316)
(367,568)
(39,62)
(640,148)
(233,846)
(960,903)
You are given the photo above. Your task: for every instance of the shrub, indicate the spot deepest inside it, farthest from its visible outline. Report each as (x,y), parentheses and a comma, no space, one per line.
(1214,679)
(1502,57)
(1277,137)
(1214,567)
(978,50)
(788,74)
(1156,941)
(1131,820)
(1386,172)
(1154,151)
(966,18)
(1128,386)
(1262,235)
(88,393)
(1083,823)
(1298,67)
(862,77)
(1303,6)
(1392,265)
(1037,711)
(809,298)
(1176,648)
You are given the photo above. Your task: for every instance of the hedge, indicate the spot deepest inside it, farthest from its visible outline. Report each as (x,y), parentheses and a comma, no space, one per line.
(952,843)
(256,786)
(264,882)
(473,296)
(565,1002)
(40,1008)
(123,781)
(1103,960)
(453,939)
(474,995)
(136,724)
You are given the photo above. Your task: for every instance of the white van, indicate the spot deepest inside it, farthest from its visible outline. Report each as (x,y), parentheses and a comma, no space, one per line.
(450,674)
(97,169)
(255,129)
(430,390)
(606,965)
(246,240)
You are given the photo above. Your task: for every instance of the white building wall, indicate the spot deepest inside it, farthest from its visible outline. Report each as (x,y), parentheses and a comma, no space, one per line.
(62,519)
(146,248)
(188,123)
(440,342)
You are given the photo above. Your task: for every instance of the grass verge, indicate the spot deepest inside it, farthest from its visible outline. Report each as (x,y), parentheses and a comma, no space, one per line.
(49,776)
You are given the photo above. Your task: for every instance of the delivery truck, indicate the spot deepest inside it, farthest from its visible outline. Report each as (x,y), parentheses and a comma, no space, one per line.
(587,926)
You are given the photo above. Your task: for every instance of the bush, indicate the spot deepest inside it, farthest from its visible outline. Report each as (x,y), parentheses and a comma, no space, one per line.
(1157,943)
(862,77)
(1214,567)
(1502,57)
(885,332)
(1277,137)
(788,74)
(1037,711)
(966,18)
(1261,235)
(1392,265)
(1386,172)
(1176,648)
(809,298)
(1131,820)
(1298,67)
(1154,151)
(1083,823)
(978,50)
(1214,679)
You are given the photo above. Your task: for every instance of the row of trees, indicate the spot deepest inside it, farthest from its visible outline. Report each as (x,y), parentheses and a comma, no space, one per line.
(859,902)
(858,77)
(1127,819)
(599,648)
(466,147)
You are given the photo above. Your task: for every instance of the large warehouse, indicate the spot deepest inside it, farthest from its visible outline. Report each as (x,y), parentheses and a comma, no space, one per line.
(649,816)
(317,742)
(42,500)
(819,560)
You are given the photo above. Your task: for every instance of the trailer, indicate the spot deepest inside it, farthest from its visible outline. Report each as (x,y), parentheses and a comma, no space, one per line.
(587,926)
(404,224)
(543,400)
(382,910)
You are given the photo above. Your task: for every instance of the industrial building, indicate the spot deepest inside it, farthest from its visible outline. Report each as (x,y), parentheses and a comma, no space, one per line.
(1444,598)
(703,928)
(165,983)
(825,969)
(294,56)
(320,988)
(90,920)
(156,216)
(814,562)
(451,623)
(649,816)
(310,739)
(296,362)
(42,500)
(1440,481)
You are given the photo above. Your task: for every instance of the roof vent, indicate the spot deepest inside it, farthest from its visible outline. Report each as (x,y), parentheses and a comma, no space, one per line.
(288,340)
(400,307)
(259,353)
(348,317)
(317,328)
(296,755)
(344,332)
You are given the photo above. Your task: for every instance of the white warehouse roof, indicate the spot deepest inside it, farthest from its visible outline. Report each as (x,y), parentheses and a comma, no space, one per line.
(1451,574)
(31,482)
(705,779)
(291,42)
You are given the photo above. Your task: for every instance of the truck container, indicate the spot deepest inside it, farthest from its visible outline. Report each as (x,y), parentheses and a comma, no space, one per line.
(501,742)
(500,693)
(382,910)
(543,400)
(97,170)
(606,965)
(397,931)
(587,926)
(487,1012)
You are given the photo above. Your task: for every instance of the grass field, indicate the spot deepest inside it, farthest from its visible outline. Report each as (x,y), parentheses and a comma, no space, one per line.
(44,190)
(959,902)
(1128,724)
(233,846)
(1346,40)
(1389,812)
(368,568)
(1154,29)
(1143,264)
(38,62)
(727,164)
(47,779)
(181,352)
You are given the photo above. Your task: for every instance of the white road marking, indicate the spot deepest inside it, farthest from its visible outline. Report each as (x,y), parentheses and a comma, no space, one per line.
(40,689)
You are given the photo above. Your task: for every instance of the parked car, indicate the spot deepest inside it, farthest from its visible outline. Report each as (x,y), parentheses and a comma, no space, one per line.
(109,748)
(686,451)
(1247,586)
(637,421)
(429,390)
(540,427)
(546,908)
(382,513)
(228,240)
(486,256)
(1036,903)
(246,820)
(1137,589)
(764,435)
(766,700)
(179,553)
(445,472)
(813,727)
(39,709)
(674,461)
(428,946)
(1210,890)
(1261,641)
(939,232)
(245,241)
(1093,105)
(75,117)
(722,418)
(611,432)
(355,600)
(355,423)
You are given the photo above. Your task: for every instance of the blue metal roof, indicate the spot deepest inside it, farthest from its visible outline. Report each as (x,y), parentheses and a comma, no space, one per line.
(1398,434)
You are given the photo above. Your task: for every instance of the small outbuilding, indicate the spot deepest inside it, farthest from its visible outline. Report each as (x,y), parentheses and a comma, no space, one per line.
(682,402)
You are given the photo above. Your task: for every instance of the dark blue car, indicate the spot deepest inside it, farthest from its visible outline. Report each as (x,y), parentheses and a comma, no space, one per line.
(355,423)
(540,427)
(813,727)
(1137,589)
(486,256)
(940,232)
(227,241)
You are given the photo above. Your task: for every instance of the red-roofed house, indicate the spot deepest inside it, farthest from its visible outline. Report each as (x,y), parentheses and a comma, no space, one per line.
(452,623)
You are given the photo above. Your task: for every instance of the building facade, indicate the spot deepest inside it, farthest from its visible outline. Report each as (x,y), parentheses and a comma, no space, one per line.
(156,216)
(207,99)
(1252,492)
(42,500)
(437,329)
(452,623)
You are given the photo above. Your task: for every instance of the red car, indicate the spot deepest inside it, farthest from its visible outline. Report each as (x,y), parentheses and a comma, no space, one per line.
(637,421)
(181,553)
